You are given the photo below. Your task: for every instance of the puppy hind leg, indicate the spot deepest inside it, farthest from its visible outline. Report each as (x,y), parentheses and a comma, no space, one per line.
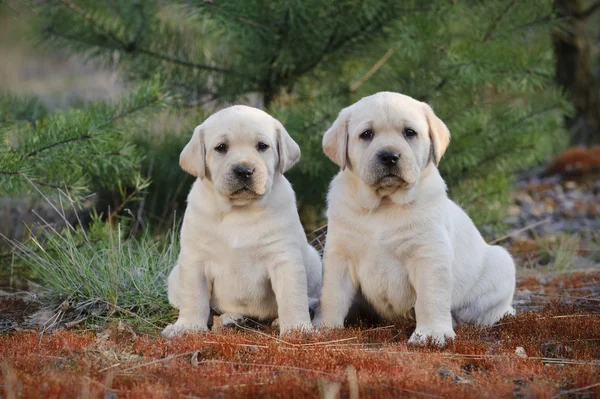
(504,266)
(495,295)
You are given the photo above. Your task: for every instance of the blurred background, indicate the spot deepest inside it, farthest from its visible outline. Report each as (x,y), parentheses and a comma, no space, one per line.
(98,97)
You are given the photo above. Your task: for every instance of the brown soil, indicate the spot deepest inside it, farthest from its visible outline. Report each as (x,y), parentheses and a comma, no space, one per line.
(559,354)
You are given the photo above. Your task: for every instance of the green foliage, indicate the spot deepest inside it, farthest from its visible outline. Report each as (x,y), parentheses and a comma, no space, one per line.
(103,272)
(223,49)
(78,150)
(486,67)
(13,108)
(161,141)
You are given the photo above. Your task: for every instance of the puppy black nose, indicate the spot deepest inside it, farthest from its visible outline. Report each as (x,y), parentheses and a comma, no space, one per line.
(243,172)
(388,158)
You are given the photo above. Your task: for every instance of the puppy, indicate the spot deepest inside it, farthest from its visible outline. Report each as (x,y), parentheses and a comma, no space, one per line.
(393,233)
(243,249)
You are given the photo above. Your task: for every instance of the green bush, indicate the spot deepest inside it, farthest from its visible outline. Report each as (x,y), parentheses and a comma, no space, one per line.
(77,151)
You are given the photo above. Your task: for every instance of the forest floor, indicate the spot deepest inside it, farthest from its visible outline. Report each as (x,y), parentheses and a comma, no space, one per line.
(550,349)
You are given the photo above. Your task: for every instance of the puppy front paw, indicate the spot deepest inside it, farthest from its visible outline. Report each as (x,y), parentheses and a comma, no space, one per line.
(438,337)
(299,327)
(181,327)
(320,322)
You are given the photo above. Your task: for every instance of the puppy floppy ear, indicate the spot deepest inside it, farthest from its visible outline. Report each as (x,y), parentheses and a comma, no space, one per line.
(288,152)
(439,135)
(335,140)
(193,156)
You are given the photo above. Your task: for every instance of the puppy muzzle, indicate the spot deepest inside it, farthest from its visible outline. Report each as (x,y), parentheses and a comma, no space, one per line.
(384,169)
(242,182)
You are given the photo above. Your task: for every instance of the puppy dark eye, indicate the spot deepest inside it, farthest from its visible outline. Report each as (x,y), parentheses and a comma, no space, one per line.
(366,135)
(262,146)
(410,133)
(222,148)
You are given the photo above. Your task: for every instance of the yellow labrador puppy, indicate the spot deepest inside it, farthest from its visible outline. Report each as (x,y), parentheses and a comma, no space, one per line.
(394,235)
(243,250)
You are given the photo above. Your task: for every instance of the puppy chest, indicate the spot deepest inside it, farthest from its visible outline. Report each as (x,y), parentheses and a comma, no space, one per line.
(384,282)
(242,288)
(380,267)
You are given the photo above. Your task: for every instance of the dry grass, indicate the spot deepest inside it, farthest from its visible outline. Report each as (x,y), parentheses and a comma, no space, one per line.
(561,343)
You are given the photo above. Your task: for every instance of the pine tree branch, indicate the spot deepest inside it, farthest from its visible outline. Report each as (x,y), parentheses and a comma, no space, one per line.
(61,142)
(138,33)
(586,13)
(108,154)
(540,21)
(185,63)
(51,185)
(89,134)
(199,103)
(269,85)
(41,183)
(498,20)
(373,69)
(132,47)
(50,30)
(86,16)
(129,111)
(439,86)
(512,125)
(525,71)
(244,20)
(120,207)
(334,45)
(445,79)
(480,166)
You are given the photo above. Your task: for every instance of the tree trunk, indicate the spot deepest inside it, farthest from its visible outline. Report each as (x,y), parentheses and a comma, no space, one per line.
(577,50)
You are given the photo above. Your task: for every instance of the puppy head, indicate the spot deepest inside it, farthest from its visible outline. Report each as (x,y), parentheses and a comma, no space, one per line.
(387,139)
(240,149)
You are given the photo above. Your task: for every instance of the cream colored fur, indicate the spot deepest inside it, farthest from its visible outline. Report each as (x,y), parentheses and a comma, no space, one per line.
(243,250)
(395,236)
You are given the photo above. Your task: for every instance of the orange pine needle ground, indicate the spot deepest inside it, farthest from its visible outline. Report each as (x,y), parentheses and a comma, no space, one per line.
(561,344)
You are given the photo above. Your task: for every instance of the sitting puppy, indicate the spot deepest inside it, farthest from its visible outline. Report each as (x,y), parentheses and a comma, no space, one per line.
(243,249)
(393,234)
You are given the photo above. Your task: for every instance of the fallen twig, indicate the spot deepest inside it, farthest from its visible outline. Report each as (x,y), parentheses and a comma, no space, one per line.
(513,233)
(570,391)
(164,359)
(277,366)
(373,69)
(265,335)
